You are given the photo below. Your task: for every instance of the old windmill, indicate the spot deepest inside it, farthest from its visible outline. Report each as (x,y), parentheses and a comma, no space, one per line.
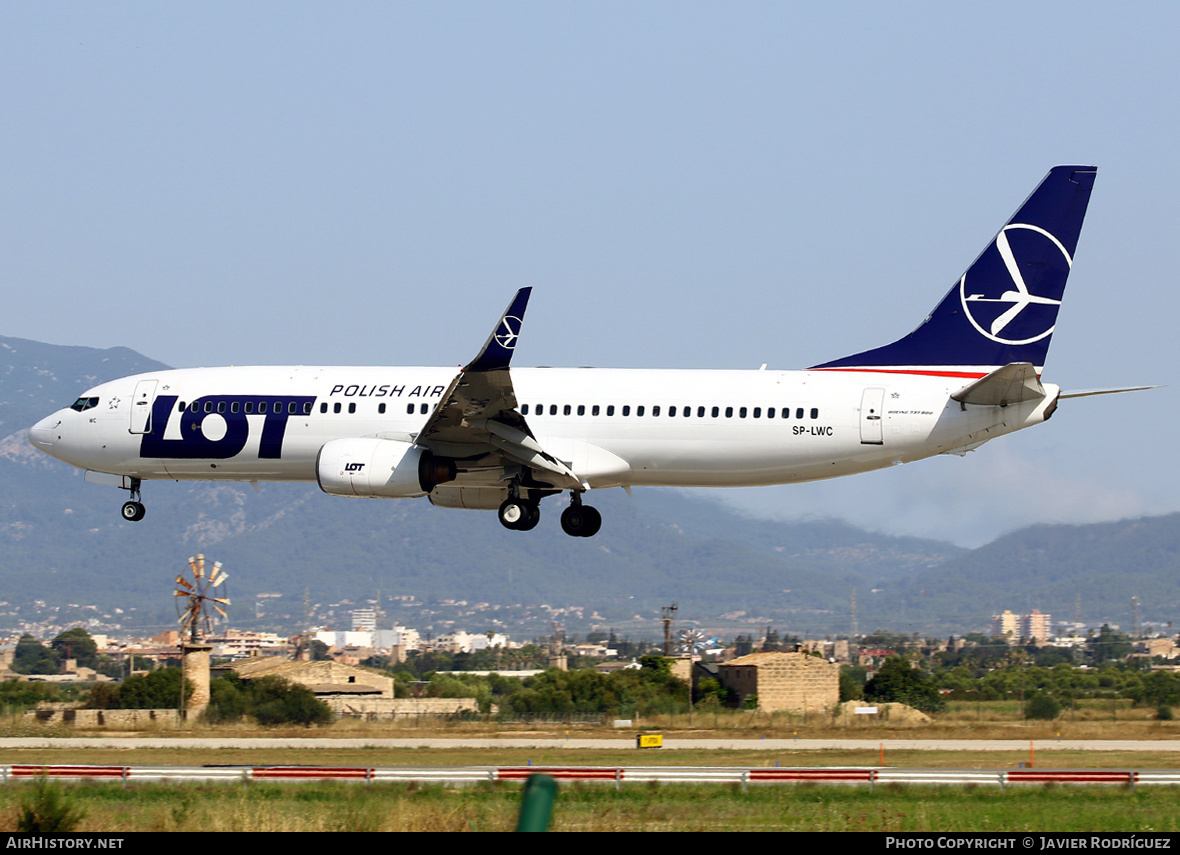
(200,594)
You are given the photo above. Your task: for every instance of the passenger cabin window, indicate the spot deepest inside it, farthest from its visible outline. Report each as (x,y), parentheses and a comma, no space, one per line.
(814,413)
(626,409)
(799,413)
(610,410)
(352,408)
(524,409)
(336,407)
(410,409)
(323,408)
(381,408)
(422,408)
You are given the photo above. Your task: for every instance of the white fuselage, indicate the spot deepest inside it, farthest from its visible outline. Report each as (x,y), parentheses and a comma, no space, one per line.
(616,427)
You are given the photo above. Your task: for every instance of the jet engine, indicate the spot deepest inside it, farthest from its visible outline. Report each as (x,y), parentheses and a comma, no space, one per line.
(380,468)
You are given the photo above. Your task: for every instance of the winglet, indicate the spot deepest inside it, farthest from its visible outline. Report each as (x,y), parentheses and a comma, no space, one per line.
(497,350)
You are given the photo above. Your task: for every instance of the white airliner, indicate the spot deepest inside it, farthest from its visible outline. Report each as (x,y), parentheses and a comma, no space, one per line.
(499,438)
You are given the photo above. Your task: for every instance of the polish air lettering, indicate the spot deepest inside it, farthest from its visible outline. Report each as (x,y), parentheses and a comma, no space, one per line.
(360,390)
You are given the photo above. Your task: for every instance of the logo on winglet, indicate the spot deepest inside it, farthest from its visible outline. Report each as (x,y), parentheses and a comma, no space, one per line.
(508,331)
(1019,300)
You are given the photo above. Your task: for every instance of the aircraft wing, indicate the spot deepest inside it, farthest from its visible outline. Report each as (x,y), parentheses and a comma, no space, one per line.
(478,414)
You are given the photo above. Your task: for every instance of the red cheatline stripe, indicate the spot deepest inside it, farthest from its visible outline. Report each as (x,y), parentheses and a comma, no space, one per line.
(922,372)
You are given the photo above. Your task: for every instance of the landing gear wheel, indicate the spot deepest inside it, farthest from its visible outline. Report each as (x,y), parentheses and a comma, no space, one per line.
(515,514)
(581,521)
(593,521)
(133,511)
(530,522)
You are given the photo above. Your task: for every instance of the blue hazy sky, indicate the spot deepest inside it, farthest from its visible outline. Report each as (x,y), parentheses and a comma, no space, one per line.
(683,184)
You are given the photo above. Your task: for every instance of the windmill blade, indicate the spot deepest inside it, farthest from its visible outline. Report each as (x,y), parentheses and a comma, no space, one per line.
(197,615)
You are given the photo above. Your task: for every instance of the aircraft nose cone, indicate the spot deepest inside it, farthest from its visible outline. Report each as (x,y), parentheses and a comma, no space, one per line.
(43,434)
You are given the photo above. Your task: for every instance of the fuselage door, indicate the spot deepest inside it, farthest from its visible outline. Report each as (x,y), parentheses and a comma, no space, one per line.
(141,406)
(872,405)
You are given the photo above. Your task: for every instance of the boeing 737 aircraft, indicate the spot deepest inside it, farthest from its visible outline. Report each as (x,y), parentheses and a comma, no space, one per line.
(494,437)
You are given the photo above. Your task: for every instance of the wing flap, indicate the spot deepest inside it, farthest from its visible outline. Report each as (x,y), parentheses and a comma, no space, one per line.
(524,449)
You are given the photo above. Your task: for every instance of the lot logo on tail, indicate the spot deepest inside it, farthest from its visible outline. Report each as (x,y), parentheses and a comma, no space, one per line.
(508,331)
(1012,305)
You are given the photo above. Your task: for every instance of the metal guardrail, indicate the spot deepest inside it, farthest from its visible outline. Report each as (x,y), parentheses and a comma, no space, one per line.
(618,775)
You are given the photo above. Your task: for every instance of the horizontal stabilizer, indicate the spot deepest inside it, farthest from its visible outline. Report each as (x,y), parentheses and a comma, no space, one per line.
(1085,393)
(1011,384)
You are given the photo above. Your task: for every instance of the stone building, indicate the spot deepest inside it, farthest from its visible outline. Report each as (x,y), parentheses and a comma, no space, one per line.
(350,690)
(783,682)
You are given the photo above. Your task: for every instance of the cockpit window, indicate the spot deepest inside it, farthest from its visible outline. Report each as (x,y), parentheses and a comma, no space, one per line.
(83,404)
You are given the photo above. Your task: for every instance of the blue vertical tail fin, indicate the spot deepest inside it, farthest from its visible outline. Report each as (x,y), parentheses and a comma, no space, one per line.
(1004,308)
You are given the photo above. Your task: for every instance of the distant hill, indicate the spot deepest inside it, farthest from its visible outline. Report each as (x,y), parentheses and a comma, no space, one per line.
(62,541)
(1100,566)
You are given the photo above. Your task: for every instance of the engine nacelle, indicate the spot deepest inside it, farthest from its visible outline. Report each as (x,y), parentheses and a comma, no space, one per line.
(380,468)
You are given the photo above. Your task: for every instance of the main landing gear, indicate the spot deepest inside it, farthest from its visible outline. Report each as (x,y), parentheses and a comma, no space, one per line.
(580,520)
(134,511)
(519,514)
(577,520)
